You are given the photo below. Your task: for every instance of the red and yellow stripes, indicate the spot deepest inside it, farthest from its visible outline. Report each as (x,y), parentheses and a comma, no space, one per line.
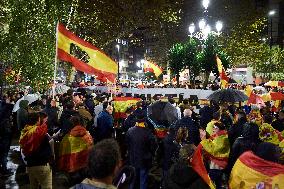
(199,166)
(223,77)
(99,64)
(74,149)
(250,170)
(121,104)
(31,137)
(154,68)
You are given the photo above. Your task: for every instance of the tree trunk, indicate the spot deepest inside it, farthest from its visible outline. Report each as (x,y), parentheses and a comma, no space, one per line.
(177,77)
(206,79)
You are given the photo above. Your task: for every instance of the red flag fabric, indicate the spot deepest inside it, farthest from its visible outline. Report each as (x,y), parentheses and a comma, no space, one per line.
(277,96)
(99,63)
(255,99)
(31,138)
(74,149)
(121,104)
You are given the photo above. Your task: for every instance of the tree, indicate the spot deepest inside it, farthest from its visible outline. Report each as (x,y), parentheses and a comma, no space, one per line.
(28,29)
(207,57)
(190,58)
(176,60)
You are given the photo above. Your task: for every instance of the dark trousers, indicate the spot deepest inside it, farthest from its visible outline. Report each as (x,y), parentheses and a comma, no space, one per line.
(216,177)
(4,150)
(141,179)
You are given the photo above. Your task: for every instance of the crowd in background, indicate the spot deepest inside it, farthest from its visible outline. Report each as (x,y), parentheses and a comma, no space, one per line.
(77,134)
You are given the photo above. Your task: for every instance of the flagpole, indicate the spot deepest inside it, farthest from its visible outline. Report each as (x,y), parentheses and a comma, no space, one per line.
(55,63)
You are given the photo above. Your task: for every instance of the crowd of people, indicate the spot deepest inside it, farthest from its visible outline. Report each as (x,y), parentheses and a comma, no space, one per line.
(221,146)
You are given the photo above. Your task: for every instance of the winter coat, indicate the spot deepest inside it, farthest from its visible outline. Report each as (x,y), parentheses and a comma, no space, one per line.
(278,124)
(182,176)
(105,128)
(236,130)
(52,118)
(193,130)
(22,114)
(141,145)
(170,150)
(65,122)
(89,184)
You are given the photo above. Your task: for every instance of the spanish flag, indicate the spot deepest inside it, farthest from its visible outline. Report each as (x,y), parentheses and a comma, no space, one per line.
(121,104)
(223,77)
(251,171)
(153,68)
(99,63)
(74,149)
(32,137)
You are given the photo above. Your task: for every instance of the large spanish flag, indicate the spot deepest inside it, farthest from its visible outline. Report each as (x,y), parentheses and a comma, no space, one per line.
(223,77)
(121,104)
(32,137)
(99,63)
(74,149)
(251,171)
(153,68)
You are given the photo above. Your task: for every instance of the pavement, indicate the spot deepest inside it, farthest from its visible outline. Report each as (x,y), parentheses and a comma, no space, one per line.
(20,179)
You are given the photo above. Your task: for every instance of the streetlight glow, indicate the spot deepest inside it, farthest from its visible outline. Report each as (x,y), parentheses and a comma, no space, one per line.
(117,46)
(205,4)
(219,26)
(272,13)
(191,28)
(202,24)
(207,30)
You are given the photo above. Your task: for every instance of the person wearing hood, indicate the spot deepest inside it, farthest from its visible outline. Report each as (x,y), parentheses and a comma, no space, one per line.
(22,114)
(249,140)
(181,174)
(74,148)
(65,123)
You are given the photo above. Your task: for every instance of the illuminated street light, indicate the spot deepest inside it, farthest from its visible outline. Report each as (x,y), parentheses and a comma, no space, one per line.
(202,24)
(207,30)
(191,29)
(219,26)
(205,4)
(272,13)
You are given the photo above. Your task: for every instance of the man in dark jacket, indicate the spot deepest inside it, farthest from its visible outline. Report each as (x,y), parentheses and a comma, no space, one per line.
(105,128)
(52,113)
(64,121)
(22,114)
(141,145)
(193,130)
(5,135)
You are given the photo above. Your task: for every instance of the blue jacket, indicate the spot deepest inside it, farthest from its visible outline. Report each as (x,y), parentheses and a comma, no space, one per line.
(104,128)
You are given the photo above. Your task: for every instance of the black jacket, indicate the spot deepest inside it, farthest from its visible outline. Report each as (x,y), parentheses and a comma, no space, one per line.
(141,146)
(278,125)
(182,176)
(40,156)
(170,151)
(193,130)
(65,123)
(236,131)
(52,119)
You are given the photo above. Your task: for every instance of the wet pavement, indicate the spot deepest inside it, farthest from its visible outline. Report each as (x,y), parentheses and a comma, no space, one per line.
(20,179)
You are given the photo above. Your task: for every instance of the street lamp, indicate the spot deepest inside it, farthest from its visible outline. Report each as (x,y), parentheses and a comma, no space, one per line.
(191,29)
(202,24)
(207,30)
(118,74)
(205,4)
(271,14)
(219,26)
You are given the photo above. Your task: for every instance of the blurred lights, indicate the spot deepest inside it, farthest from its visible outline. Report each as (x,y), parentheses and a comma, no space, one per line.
(205,4)
(202,24)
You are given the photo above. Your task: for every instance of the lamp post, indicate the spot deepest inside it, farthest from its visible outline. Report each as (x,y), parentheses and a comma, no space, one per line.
(270,15)
(118,74)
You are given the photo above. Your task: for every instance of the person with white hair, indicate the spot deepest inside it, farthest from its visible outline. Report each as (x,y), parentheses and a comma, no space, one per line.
(193,130)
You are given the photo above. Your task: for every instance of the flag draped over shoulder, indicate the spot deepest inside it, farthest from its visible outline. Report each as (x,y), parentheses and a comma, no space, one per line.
(199,166)
(121,104)
(99,63)
(74,149)
(153,68)
(223,77)
(31,138)
(251,170)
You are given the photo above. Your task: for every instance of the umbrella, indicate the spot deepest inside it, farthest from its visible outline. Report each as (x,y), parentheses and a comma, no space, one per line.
(228,95)
(162,113)
(30,97)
